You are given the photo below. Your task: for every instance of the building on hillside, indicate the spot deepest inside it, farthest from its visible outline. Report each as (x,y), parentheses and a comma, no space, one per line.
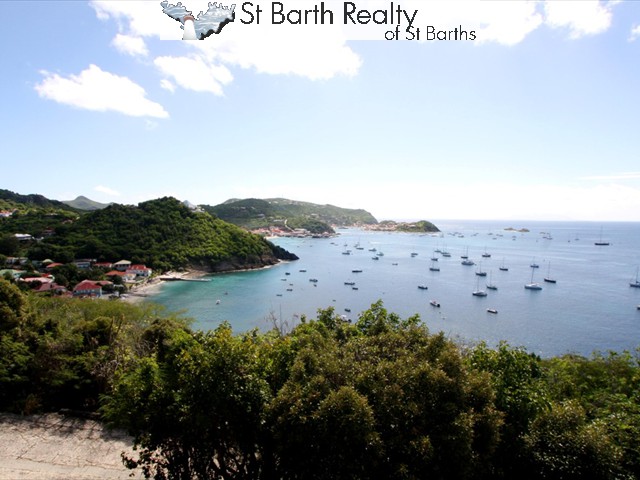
(24,237)
(84,263)
(53,265)
(47,279)
(122,265)
(126,277)
(87,288)
(16,260)
(140,270)
(8,271)
(107,265)
(51,287)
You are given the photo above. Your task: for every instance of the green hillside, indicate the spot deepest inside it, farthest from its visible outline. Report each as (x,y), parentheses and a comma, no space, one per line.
(10,200)
(163,234)
(32,214)
(257,213)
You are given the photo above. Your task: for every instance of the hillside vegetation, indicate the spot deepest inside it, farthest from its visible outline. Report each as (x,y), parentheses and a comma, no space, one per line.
(379,398)
(32,214)
(163,234)
(254,213)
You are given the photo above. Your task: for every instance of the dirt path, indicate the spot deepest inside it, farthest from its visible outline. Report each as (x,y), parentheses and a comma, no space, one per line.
(56,447)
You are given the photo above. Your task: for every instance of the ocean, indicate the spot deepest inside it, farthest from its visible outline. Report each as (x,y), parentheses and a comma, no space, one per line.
(591,307)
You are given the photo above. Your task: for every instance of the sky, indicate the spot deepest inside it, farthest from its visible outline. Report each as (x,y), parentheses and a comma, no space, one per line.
(536,118)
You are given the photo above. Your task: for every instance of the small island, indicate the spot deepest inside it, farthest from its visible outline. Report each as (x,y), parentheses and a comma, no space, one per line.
(421,226)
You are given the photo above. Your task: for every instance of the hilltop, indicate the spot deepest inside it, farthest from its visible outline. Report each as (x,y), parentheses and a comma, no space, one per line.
(33,214)
(10,200)
(83,203)
(253,213)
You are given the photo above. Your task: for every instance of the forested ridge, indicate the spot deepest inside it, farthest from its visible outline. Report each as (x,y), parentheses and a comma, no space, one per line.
(382,397)
(255,213)
(162,234)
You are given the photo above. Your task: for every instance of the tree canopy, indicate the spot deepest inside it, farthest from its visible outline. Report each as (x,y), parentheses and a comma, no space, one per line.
(382,397)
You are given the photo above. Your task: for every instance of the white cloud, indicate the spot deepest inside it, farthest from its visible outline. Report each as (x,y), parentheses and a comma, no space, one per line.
(140,17)
(194,73)
(581,17)
(97,90)
(106,190)
(635,33)
(167,85)
(616,176)
(130,45)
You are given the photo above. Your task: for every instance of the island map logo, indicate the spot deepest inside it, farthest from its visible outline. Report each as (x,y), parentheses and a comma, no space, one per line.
(202,26)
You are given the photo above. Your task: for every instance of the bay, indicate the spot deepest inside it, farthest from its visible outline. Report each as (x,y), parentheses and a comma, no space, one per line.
(590,308)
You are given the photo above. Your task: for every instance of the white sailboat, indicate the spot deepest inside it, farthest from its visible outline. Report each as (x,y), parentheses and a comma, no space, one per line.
(490,285)
(635,283)
(477,292)
(532,285)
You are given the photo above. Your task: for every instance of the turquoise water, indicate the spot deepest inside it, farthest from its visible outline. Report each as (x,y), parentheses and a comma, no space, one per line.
(591,307)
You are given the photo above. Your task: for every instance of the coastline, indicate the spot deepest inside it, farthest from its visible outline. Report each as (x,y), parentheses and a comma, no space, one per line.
(153,286)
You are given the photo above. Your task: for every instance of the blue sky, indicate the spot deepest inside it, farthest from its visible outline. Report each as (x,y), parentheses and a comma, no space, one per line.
(538,118)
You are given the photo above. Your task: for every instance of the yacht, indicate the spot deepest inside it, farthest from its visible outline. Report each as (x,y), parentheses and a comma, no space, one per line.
(532,285)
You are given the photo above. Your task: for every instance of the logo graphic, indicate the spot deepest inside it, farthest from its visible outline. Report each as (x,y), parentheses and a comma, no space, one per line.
(200,27)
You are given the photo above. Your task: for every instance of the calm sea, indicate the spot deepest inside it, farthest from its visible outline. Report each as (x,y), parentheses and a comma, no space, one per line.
(591,307)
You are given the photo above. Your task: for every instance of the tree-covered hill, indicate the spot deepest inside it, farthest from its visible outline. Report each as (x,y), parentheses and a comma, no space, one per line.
(32,214)
(10,199)
(163,234)
(257,213)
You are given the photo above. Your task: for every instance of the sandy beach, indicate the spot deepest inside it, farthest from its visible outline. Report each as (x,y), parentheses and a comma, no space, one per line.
(152,286)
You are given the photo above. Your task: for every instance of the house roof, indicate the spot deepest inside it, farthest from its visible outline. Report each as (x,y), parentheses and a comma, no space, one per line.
(54,265)
(123,262)
(139,267)
(114,272)
(86,285)
(38,279)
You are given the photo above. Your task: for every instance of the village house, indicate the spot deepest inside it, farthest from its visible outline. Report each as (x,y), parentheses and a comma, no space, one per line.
(24,237)
(107,265)
(122,265)
(50,287)
(126,277)
(84,262)
(53,265)
(87,288)
(139,270)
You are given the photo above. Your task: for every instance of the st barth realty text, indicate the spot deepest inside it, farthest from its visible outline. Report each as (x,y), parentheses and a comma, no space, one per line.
(351,15)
